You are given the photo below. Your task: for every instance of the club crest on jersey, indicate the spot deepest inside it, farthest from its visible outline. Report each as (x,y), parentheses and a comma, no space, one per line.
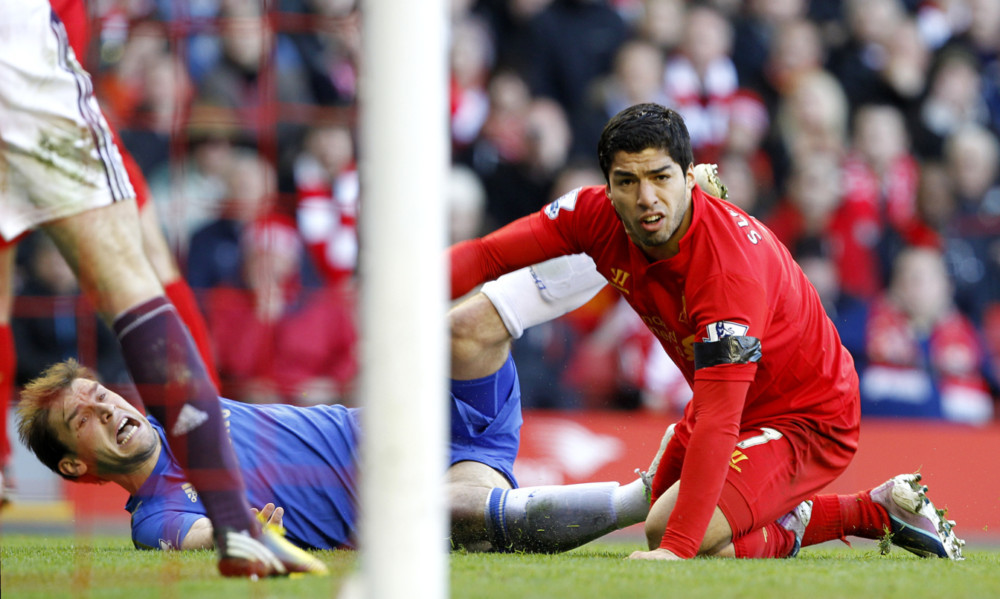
(724,328)
(566,201)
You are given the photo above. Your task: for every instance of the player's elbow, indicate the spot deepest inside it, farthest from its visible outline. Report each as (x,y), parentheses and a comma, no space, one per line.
(199,536)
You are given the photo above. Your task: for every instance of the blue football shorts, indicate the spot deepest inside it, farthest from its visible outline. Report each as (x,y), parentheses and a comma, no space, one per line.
(486,420)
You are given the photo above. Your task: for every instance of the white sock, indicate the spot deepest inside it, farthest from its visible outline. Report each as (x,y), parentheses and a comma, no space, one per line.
(631,503)
(544,292)
(561,517)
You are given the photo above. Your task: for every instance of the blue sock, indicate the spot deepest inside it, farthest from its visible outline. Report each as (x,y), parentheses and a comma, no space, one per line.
(495,520)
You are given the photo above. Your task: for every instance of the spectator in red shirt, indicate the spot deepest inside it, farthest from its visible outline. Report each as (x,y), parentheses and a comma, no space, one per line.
(274,340)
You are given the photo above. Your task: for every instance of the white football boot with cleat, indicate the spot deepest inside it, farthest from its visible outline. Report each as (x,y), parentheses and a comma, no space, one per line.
(917,525)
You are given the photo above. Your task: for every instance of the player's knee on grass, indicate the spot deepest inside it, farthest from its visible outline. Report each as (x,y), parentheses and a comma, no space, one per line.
(718,535)
(479,341)
(469,485)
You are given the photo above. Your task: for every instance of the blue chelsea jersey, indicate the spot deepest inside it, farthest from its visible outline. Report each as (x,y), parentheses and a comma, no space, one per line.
(302,459)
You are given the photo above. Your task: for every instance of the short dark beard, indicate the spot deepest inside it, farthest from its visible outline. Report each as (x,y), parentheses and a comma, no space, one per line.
(127,465)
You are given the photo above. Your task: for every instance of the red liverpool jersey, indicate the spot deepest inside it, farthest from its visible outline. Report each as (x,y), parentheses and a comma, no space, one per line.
(731,277)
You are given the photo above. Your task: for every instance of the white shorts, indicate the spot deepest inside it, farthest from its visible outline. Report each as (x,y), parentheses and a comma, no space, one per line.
(57,156)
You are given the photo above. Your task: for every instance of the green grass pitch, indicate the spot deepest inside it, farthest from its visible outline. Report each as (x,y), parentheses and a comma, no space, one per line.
(39,567)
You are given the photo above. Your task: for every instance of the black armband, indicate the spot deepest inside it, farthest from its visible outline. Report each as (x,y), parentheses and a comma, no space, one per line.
(728,350)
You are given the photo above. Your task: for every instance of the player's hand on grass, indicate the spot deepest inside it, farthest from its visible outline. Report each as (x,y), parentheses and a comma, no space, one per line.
(658,553)
(269,514)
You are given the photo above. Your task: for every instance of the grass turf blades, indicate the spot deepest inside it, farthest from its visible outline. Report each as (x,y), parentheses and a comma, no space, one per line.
(98,567)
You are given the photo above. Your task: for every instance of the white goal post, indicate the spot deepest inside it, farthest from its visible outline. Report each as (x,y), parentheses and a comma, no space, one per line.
(404,158)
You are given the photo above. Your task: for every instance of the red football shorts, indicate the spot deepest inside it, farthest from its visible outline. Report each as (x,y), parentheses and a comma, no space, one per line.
(772,470)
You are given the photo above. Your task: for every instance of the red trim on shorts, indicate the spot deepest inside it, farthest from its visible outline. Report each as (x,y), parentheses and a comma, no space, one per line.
(4,244)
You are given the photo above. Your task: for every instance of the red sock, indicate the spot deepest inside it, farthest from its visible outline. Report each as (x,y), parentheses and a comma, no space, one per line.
(8,368)
(182,298)
(770,540)
(838,516)
(863,517)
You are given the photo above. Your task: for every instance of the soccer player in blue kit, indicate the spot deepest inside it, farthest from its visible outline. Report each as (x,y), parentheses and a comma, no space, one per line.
(300,464)
(303,459)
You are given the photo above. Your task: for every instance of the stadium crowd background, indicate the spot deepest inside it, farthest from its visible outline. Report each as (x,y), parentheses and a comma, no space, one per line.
(863,132)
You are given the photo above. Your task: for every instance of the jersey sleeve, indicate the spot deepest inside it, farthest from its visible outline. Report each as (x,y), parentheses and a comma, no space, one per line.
(162,529)
(720,393)
(717,315)
(717,412)
(523,242)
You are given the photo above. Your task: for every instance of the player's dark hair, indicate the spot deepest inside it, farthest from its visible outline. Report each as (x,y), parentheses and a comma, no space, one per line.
(645,126)
(33,411)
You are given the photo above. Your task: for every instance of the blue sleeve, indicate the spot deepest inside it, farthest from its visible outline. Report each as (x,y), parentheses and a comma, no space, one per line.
(166,506)
(162,529)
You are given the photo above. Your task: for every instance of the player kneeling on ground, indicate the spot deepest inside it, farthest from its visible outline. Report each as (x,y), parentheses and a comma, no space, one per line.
(775,411)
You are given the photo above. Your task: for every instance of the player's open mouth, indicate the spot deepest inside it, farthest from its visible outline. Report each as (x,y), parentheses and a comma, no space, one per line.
(127,428)
(651,222)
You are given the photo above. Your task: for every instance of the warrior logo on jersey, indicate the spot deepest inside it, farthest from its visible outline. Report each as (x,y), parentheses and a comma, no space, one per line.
(618,278)
(563,202)
(723,329)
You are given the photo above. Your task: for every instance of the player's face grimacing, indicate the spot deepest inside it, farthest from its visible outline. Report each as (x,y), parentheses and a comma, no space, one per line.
(107,434)
(651,195)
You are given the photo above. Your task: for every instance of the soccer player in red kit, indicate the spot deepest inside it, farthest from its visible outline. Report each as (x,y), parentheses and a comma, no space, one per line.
(775,413)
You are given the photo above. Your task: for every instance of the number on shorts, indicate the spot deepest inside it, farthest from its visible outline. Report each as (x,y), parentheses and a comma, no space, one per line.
(767,434)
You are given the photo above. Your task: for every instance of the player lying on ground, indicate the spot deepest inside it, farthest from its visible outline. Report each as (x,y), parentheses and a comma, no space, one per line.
(304,459)
(775,412)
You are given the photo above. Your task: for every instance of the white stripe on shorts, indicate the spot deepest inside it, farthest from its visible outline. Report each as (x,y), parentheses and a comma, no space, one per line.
(118,182)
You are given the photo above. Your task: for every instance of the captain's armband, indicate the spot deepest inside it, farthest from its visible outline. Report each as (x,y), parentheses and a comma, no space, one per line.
(728,350)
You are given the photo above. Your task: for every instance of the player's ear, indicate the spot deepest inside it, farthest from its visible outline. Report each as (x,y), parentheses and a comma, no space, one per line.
(607,190)
(72,466)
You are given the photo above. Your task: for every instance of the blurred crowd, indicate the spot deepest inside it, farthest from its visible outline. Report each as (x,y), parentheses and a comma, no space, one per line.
(864,133)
